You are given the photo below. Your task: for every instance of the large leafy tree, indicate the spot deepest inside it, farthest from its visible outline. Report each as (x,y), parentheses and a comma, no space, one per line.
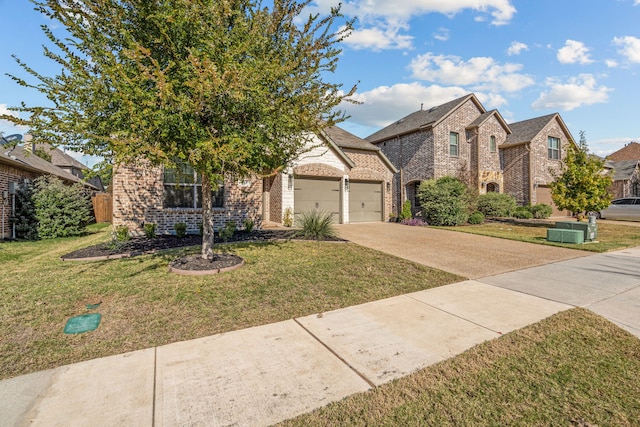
(583,186)
(232,87)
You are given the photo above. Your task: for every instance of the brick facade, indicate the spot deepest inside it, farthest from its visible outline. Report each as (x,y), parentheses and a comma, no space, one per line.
(138,197)
(9,174)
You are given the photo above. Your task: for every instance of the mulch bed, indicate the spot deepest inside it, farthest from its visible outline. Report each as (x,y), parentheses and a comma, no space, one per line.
(141,246)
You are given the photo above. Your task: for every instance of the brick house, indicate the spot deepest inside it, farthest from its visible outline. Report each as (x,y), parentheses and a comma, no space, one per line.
(461,138)
(338,173)
(17,166)
(626,178)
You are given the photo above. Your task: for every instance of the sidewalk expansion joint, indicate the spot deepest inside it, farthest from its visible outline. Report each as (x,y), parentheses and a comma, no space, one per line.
(361,375)
(455,315)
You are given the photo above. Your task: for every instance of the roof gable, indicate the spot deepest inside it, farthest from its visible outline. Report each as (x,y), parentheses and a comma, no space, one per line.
(525,131)
(623,169)
(341,139)
(631,151)
(422,119)
(485,116)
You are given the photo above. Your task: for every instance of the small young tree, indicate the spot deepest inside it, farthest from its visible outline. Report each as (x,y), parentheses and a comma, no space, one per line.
(583,186)
(444,201)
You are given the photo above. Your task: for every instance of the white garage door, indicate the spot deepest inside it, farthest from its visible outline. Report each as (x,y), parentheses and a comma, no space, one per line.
(317,195)
(365,201)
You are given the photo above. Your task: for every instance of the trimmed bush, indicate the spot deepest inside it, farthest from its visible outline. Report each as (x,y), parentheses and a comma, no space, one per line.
(227,231)
(496,204)
(61,210)
(249,225)
(406,211)
(316,225)
(476,218)
(180,228)
(444,201)
(522,212)
(541,211)
(149,230)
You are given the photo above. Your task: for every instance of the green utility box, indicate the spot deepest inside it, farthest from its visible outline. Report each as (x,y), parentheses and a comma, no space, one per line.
(563,235)
(589,229)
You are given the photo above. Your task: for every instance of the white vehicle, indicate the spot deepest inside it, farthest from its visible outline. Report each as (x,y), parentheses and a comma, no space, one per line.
(625,208)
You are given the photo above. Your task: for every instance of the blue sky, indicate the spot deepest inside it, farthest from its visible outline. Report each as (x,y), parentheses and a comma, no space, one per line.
(526,58)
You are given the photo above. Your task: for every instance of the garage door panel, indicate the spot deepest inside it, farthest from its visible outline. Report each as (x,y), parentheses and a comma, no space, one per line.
(317,195)
(365,201)
(543,195)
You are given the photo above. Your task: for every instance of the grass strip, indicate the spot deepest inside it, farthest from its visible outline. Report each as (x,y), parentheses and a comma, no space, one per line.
(574,368)
(610,236)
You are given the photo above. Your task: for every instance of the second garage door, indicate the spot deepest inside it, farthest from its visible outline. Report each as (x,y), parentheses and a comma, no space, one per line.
(317,195)
(543,195)
(365,201)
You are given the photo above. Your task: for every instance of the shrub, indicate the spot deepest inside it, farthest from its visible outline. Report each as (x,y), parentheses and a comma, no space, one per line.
(287,221)
(24,218)
(249,225)
(406,211)
(541,211)
(61,210)
(180,228)
(522,212)
(476,218)
(121,233)
(496,204)
(415,222)
(149,230)
(316,225)
(444,201)
(227,231)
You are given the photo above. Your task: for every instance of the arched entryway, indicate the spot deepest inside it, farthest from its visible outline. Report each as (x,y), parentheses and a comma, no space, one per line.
(493,187)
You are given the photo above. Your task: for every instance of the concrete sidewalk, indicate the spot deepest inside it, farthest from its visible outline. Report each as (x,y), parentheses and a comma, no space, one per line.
(263,375)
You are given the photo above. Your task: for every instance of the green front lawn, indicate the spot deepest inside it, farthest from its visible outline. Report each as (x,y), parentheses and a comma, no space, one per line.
(143,305)
(610,236)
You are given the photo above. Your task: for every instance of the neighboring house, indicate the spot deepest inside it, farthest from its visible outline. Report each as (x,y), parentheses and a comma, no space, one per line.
(631,151)
(338,173)
(17,166)
(626,177)
(460,138)
(66,162)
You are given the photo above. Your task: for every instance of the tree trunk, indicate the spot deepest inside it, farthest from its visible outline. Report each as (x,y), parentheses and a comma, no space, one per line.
(207,218)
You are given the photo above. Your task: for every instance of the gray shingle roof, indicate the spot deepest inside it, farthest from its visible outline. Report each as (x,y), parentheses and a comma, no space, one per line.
(421,118)
(526,130)
(60,158)
(344,139)
(22,158)
(623,169)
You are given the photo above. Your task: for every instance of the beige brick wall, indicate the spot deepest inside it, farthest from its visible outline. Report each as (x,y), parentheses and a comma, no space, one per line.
(138,195)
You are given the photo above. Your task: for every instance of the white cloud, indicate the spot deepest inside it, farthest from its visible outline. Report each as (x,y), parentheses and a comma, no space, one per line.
(480,73)
(379,38)
(630,47)
(383,105)
(576,92)
(7,127)
(611,63)
(386,104)
(442,34)
(516,48)
(381,22)
(574,52)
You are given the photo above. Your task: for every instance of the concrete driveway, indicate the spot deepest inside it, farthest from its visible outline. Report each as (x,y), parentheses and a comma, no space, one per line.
(468,255)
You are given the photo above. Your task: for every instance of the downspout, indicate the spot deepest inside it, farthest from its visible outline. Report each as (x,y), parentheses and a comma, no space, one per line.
(402,192)
(531,189)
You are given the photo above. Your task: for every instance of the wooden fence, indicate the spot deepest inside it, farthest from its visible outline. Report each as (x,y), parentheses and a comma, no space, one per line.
(102,207)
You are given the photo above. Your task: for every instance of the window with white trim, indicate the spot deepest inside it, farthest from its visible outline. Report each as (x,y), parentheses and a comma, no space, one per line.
(453,144)
(553,146)
(183,189)
(492,144)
